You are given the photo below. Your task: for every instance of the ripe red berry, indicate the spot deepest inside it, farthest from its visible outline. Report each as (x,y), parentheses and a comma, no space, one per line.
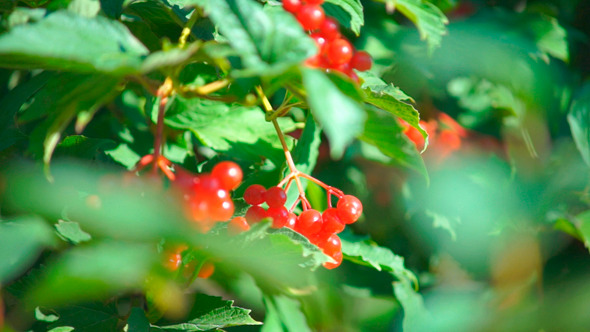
(361,61)
(314,2)
(309,222)
(349,208)
(337,257)
(279,216)
(291,220)
(206,270)
(275,197)
(221,207)
(173,261)
(254,195)
(332,223)
(255,214)
(237,225)
(228,173)
(319,40)
(292,6)
(329,29)
(339,51)
(310,16)
(332,245)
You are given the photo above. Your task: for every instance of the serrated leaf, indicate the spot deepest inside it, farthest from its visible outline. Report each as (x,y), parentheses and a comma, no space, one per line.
(310,250)
(429,20)
(579,121)
(65,41)
(268,40)
(340,116)
(238,131)
(212,312)
(384,132)
(72,232)
(21,242)
(348,12)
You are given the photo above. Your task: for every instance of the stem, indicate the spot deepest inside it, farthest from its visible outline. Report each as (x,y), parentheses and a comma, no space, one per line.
(186,31)
(294,171)
(207,88)
(163,92)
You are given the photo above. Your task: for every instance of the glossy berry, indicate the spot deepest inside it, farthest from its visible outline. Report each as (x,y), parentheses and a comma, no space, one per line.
(361,61)
(309,222)
(220,206)
(237,225)
(329,29)
(279,216)
(254,195)
(332,223)
(255,214)
(291,220)
(292,6)
(319,40)
(206,270)
(275,197)
(332,245)
(337,257)
(349,209)
(310,17)
(314,2)
(339,51)
(228,173)
(173,261)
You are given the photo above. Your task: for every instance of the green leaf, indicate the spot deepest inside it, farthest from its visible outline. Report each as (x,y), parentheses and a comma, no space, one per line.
(238,131)
(429,20)
(584,220)
(384,132)
(415,313)
(268,40)
(62,329)
(579,120)
(65,41)
(348,12)
(87,317)
(82,147)
(94,272)
(283,314)
(310,251)
(39,315)
(159,17)
(137,321)
(212,312)
(85,8)
(340,116)
(21,242)
(552,38)
(71,231)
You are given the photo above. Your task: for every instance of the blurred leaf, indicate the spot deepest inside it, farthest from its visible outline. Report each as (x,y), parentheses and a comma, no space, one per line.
(568,227)
(235,130)
(72,232)
(82,147)
(87,317)
(340,116)
(62,329)
(584,219)
(427,17)
(211,312)
(268,40)
(124,155)
(415,313)
(348,12)
(391,99)
(22,15)
(444,222)
(579,120)
(65,41)
(551,37)
(40,316)
(94,272)
(159,17)
(284,314)
(311,251)
(137,321)
(383,131)
(84,8)
(21,242)
(169,58)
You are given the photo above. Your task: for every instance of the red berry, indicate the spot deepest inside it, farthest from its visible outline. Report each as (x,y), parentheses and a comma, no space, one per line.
(316,61)
(339,51)
(254,195)
(279,216)
(329,29)
(310,16)
(292,6)
(237,225)
(314,2)
(228,173)
(173,261)
(309,222)
(349,209)
(206,270)
(291,220)
(331,246)
(319,40)
(221,207)
(332,223)
(361,61)
(337,257)
(275,197)
(255,214)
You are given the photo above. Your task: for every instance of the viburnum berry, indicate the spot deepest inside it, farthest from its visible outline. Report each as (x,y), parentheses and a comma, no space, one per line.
(314,2)
(349,208)
(332,223)
(228,173)
(339,51)
(275,197)
(332,245)
(220,206)
(279,215)
(255,214)
(254,195)
(172,262)
(329,29)
(292,6)
(206,270)
(361,61)
(237,225)
(291,221)
(337,257)
(309,222)
(310,17)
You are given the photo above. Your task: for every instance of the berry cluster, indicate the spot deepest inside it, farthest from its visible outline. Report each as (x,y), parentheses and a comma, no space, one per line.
(173,261)
(335,51)
(320,228)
